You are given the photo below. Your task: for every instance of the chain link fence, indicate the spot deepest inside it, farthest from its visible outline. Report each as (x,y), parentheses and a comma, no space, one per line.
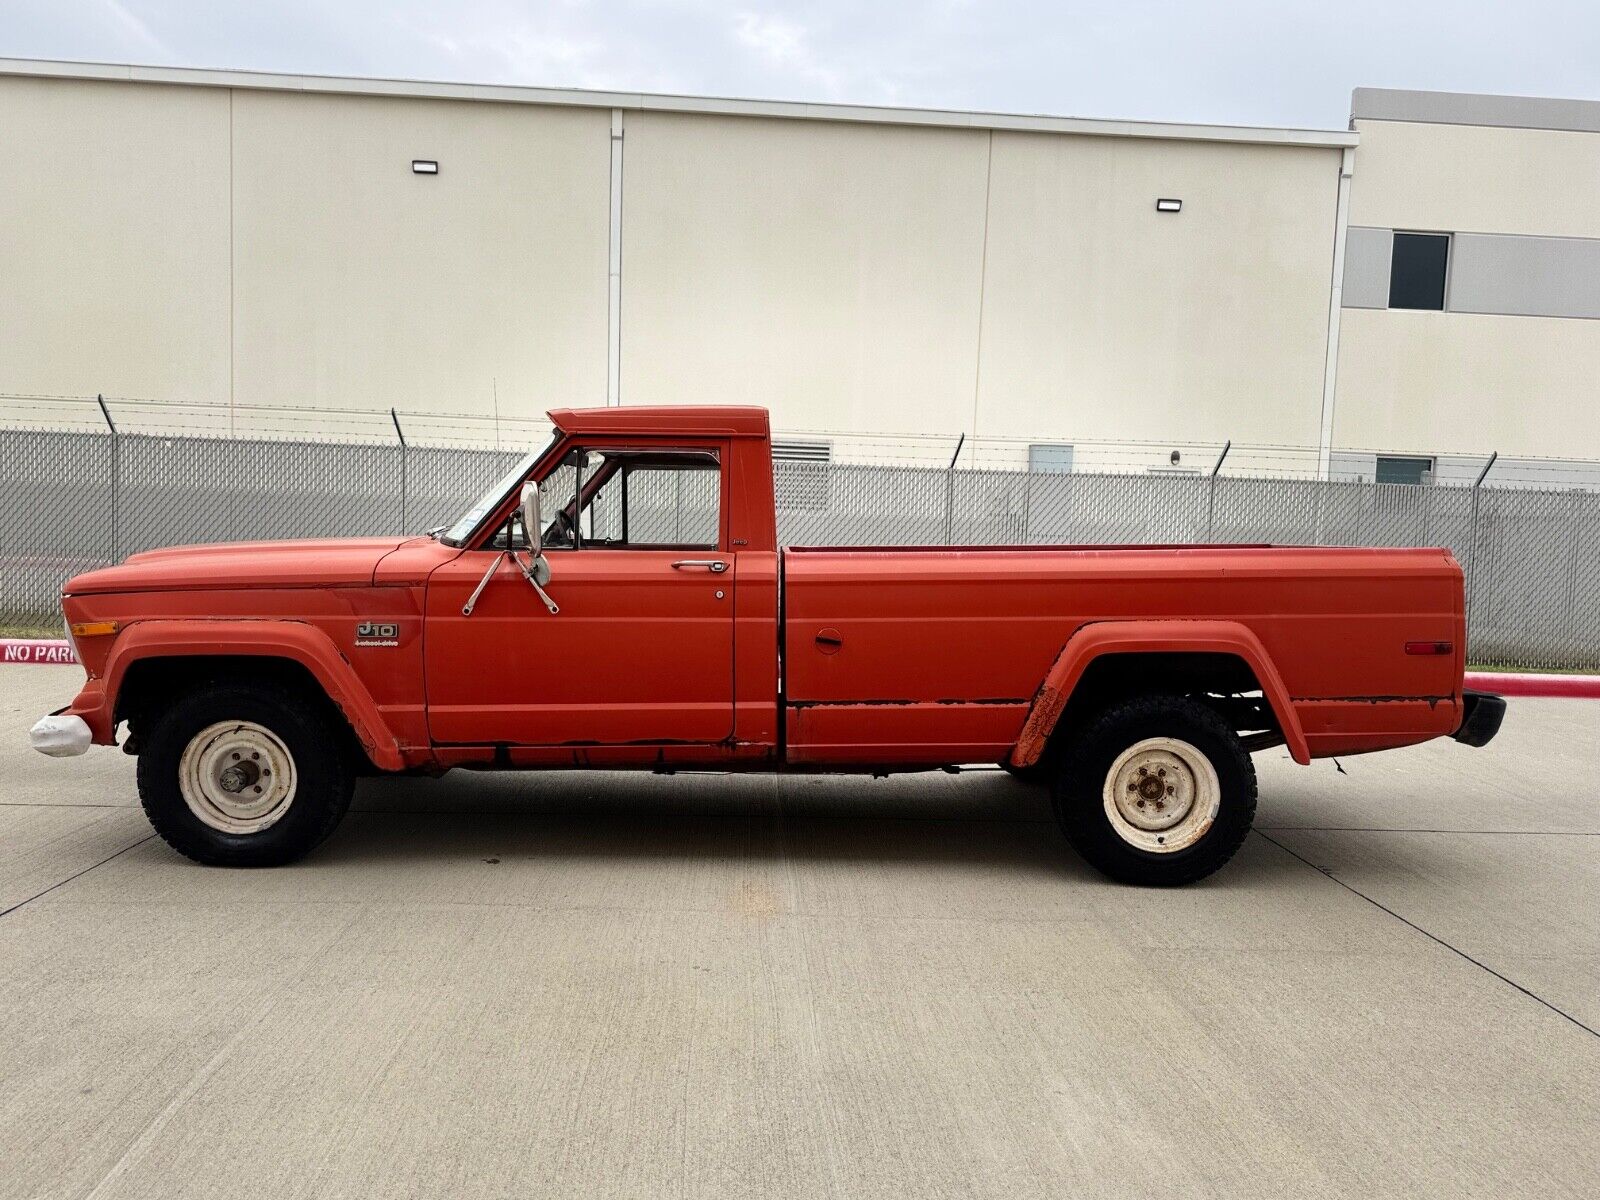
(75,500)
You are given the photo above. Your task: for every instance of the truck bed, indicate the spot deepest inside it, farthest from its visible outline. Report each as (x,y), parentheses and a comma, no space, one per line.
(890,653)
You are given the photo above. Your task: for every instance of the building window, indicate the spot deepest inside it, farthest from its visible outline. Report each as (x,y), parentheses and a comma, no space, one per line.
(1394,469)
(1417,270)
(1050,457)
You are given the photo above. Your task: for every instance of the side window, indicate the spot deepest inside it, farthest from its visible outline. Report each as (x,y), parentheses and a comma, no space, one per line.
(557,494)
(620,498)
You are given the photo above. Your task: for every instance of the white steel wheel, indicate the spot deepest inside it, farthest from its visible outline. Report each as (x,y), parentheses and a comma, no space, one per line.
(237,777)
(1161,795)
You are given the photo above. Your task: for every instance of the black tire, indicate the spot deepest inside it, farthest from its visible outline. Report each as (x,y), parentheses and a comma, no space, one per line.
(324,780)
(1088,759)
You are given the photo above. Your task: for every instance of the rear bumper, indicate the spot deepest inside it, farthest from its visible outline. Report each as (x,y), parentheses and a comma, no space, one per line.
(1480,719)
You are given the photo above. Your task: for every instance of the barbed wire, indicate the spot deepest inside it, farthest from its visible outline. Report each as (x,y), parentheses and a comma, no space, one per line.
(146,416)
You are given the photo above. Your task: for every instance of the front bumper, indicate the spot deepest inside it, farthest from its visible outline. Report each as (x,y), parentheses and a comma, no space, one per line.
(61,735)
(1481,714)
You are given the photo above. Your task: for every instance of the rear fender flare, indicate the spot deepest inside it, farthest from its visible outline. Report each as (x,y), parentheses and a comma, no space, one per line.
(293,640)
(1100,638)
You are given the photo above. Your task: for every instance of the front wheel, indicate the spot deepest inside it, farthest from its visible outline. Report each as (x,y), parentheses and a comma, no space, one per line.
(1157,790)
(244,775)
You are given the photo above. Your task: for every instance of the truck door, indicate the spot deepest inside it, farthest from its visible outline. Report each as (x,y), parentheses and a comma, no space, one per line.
(642,648)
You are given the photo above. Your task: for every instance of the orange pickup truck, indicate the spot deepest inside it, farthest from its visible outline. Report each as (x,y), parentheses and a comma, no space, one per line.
(657,625)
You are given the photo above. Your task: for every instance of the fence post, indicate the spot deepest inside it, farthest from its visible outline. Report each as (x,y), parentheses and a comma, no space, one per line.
(116,478)
(1472,584)
(404,455)
(1574,549)
(950,489)
(1211,489)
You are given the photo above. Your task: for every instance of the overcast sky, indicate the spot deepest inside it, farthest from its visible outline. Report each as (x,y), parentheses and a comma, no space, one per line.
(1269,62)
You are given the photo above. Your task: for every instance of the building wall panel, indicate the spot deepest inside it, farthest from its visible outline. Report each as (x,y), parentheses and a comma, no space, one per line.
(1525,276)
(1473,179)
(1368,254)
(360,284)
(114,240)
(831,272)
(1436,382)
(1104,318)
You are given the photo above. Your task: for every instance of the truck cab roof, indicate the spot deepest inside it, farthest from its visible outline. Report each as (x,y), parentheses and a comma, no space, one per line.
(705,420)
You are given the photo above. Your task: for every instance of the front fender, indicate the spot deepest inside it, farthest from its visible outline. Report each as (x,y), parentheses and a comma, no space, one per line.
(1100,638)
(293,640)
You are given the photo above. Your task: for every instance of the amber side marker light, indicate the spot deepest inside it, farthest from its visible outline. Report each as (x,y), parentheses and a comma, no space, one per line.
(94,628)
(1429,647)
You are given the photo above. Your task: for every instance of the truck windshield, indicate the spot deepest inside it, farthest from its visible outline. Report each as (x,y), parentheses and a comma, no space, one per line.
(458,533)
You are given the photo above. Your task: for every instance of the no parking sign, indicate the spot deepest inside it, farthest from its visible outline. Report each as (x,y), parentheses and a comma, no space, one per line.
(36,650)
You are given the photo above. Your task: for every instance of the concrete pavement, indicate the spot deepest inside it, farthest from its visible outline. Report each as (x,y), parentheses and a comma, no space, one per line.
(616,985)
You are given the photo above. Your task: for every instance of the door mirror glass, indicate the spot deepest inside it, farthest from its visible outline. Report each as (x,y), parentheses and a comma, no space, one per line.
(532,521)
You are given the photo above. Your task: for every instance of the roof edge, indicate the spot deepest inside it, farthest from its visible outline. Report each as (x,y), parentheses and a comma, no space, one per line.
(652,102)
(1472,108)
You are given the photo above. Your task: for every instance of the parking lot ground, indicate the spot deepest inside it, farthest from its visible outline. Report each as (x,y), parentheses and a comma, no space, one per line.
(617,985)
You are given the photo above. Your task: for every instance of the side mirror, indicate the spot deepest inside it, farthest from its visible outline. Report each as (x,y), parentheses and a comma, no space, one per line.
(533,530)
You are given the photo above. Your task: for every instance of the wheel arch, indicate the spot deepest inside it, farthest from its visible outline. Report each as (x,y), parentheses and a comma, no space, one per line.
(1099,658)
(153,659)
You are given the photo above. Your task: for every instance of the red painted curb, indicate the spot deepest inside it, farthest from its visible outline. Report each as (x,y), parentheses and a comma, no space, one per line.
(50,651)
(1509,683)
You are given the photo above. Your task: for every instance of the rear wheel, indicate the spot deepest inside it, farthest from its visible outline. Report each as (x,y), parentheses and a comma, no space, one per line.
(1157,790)
(244,775)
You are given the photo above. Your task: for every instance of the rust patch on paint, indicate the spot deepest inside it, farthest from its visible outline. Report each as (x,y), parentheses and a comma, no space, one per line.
(1041,721)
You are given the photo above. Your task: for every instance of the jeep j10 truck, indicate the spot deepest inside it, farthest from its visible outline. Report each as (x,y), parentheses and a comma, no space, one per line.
(657,625)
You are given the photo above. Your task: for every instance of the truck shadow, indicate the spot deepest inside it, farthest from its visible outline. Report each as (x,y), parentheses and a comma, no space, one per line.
(979,821)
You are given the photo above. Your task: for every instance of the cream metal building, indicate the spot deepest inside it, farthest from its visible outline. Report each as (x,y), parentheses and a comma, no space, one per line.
(878,277)
(1488,207)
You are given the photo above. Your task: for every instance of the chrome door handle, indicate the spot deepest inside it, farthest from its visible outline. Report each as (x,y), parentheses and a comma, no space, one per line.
(715,565)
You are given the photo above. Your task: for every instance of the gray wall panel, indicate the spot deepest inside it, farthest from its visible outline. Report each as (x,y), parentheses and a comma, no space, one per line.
(1524,276)
(1465,108)
(1367,254)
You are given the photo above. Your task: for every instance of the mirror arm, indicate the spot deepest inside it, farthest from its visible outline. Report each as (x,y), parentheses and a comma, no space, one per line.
(536,568)
(528,570)
(472,601)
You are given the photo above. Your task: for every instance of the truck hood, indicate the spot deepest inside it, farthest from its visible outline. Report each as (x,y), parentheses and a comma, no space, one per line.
(325,562)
